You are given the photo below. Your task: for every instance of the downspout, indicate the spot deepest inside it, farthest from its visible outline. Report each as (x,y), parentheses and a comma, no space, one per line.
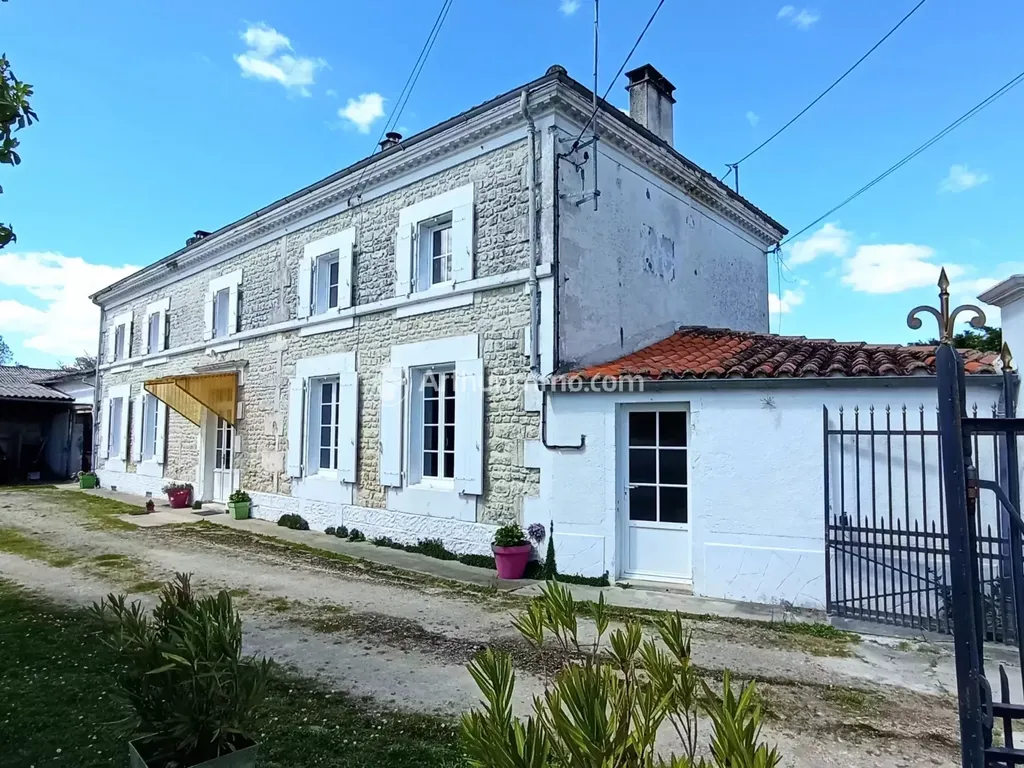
(96,395)
(531,280)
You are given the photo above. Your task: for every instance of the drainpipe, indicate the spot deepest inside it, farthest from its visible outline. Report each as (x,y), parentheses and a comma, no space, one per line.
(96,395)
(531,281)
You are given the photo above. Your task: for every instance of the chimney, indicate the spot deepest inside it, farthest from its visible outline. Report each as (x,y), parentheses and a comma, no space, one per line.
(391,139)
(198,235)
(650,101)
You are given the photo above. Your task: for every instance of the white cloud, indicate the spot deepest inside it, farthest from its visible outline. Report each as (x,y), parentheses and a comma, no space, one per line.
(569,7)
(67,324)
(331,92)
(893,268)
(753,118)
(801,19)
(785,305)
(267,58)
(364,111)
(831,240)
(961,178)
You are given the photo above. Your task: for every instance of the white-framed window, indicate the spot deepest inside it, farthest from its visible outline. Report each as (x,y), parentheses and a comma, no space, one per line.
(155,338)
(434,254)
(325,274)
(222,306)
(432,425)
(119,343)
(149,426)
(323,403)
(434,242)
(324,425)
(113,437)
(222,449)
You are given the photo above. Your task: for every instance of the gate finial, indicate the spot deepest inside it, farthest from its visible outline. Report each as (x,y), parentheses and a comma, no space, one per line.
(1006,357)
(942,315)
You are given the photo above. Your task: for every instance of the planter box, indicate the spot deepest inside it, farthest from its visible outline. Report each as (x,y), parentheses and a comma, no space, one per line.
(243,758)
(180,499)
(239,509)
(511,561)
(88,482)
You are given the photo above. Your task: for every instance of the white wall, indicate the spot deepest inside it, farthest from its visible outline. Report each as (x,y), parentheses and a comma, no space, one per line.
(757,482)
(646,262)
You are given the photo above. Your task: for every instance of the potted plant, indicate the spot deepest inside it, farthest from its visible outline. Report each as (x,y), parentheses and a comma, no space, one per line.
(238,504)
(178,494)
(511,551)
(183,673)
(150,506)
(88,480)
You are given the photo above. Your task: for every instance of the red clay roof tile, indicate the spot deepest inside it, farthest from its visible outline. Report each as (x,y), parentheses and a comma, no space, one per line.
(713,353)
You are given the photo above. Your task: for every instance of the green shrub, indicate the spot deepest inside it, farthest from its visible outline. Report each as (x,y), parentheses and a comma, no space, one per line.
(590,581)
(356,535)
(329,530)
(384,541)
(239,497)
(341,532)
(194,694)
(478,561)
(607,709)
(433,548)
(510,535)
(295,522)
(176,487)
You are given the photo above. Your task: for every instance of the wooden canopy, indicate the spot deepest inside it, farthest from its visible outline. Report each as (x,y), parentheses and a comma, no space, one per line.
(189,394)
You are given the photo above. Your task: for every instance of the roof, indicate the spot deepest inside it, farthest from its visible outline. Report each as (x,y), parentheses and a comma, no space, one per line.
(715,353)
(554,73)
(21,382)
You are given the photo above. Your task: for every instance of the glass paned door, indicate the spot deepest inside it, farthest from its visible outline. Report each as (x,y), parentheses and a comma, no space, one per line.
(656,514)
(223,458)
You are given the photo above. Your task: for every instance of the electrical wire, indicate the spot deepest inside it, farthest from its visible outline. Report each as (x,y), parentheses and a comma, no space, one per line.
(820,96)
(907,158)
(576,143)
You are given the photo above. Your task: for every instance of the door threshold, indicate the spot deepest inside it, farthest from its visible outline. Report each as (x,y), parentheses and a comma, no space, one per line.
(658,585)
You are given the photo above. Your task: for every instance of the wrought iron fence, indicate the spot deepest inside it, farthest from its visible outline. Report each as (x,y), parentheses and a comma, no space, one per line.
(887,548)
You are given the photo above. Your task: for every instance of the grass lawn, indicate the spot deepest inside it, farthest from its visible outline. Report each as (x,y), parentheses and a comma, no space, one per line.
(58,706)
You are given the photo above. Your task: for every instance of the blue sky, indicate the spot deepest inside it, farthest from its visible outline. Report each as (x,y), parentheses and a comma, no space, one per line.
(157,119)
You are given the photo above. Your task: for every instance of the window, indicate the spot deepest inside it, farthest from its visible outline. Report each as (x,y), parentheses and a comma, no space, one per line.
(154,332)
(222,449)
(437,417)
(435,253)
(221,303)
(115,427)
(658,466)
(119,333)
(328,278)
(149,427)
(324,403)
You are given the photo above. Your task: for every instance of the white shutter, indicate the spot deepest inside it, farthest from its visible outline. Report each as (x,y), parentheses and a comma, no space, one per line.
(462,243)
(145,334)
(161,432)
(208,315)
(348,425)
(345,269)
(137,408)
(111,341)
(129,330)
(104,435)
(296,415)
(403,259)
(391,410)
(305,284)
(233,310)
(469,426)
(124,426)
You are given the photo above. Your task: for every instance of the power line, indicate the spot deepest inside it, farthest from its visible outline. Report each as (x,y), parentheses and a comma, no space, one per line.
(576,143)
(949,128)
(820,96)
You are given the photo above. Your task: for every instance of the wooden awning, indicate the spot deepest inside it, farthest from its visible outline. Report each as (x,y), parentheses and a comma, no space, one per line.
(189,394)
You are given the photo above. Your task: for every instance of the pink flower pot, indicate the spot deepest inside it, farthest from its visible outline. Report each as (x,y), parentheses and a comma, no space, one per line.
(511,561)
(180,498)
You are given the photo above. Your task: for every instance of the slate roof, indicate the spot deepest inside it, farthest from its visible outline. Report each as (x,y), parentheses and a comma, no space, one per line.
(712,353)
(20,382)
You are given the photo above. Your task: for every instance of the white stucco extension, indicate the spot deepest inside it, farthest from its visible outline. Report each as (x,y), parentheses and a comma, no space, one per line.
(757,478)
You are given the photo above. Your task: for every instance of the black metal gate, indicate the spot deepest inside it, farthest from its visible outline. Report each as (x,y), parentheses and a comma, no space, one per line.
(887,548)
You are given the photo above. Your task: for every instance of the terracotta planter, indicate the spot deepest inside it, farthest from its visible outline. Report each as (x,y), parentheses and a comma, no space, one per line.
(511,561)
(243,758)
(180,498)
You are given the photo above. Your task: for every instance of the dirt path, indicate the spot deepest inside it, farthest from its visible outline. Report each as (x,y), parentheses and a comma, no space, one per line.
(405,640)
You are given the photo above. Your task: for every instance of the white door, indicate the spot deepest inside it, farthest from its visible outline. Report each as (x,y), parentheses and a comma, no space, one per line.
(655,515)
(219,477)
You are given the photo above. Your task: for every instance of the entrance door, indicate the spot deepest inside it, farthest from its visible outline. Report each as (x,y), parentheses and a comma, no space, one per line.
(655,510)
(220,477)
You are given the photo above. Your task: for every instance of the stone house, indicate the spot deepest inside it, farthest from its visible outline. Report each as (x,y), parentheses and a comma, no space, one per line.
(365,350)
